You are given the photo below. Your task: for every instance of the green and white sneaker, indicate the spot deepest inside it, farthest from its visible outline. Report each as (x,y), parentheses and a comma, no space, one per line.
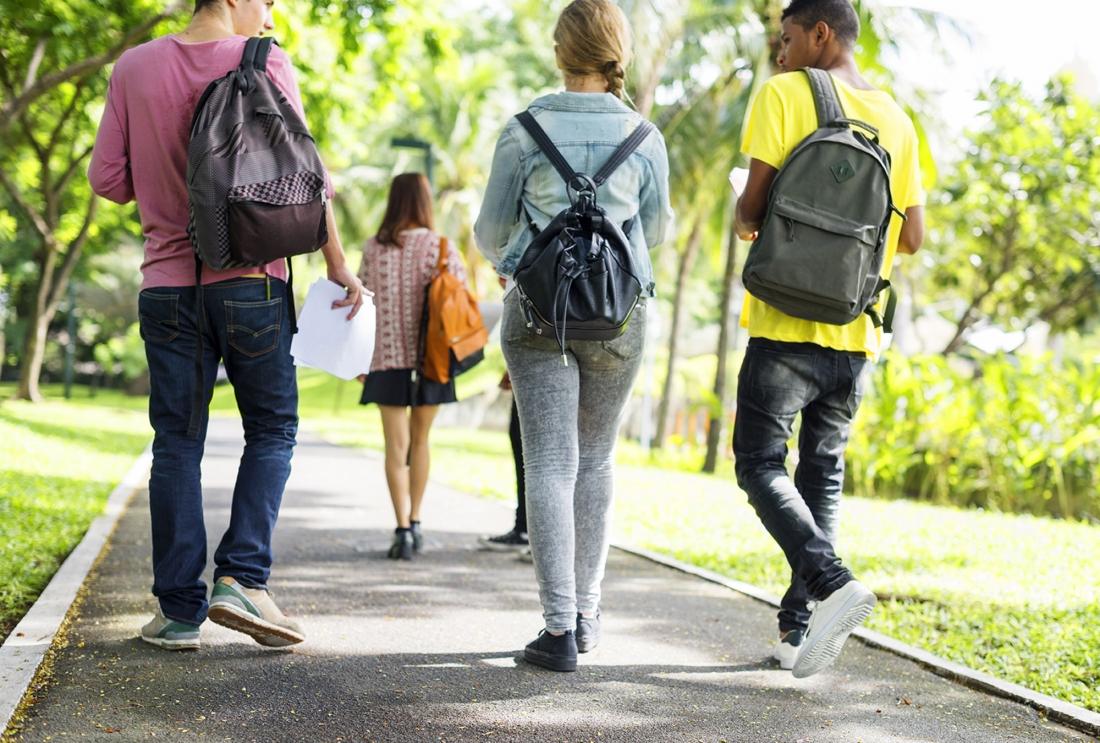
(169,634)
(253,612)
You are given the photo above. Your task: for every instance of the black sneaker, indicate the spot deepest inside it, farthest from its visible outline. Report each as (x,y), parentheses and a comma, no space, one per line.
(402,547)
(418,536)
(588,632)
(512,541)
(556,652)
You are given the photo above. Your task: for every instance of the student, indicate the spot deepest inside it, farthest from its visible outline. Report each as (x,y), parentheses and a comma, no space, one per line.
(515,539)
(398,264)
(569,413)
(141,154)
(794,366)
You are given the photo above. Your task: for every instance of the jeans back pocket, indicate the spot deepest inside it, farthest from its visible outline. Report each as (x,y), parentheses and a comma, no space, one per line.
(253,328)
(158,317)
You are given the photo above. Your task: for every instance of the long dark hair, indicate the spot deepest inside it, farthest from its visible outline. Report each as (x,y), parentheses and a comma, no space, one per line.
(409,205)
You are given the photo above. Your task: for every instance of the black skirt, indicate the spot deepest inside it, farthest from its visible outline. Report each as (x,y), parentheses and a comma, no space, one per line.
(396,387)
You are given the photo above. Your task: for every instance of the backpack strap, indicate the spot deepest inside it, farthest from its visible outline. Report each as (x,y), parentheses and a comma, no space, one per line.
(623,152)
(553,154)
(253,60)
(441,265)
(263,50)
(826,98)
(244,72)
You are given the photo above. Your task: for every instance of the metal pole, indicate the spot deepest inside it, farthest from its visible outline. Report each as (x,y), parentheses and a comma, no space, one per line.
(70,347)
(417,144)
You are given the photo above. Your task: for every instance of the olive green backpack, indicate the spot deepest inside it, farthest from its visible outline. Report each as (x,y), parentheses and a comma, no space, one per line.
(819,253)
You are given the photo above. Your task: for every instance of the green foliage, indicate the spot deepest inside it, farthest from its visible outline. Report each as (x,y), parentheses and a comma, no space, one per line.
(1016,232)
(1011,434)
(123,355)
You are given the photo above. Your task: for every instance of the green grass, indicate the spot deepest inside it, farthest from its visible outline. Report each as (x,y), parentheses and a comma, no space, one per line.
(60,461)
(1015,596)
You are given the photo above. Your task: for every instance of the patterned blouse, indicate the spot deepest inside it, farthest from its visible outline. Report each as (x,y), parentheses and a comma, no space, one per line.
(399,276)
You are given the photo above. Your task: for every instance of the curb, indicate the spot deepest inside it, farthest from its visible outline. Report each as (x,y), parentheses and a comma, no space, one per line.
(25,648)
(1055,710)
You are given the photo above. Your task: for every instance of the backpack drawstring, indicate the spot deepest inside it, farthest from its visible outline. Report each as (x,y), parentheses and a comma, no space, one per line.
(561,299)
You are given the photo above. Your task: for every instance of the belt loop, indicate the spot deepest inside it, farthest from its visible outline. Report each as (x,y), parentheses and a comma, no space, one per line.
(267,281)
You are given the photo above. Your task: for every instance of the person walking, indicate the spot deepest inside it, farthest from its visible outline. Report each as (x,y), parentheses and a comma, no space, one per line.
(140,154)
(515,539)
(399,263)
(569,412)
(795,366)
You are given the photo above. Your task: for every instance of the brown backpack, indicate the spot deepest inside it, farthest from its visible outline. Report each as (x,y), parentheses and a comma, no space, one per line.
(453,335)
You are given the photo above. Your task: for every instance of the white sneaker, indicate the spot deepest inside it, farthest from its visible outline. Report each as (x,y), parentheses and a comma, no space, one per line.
(786,650)
(831,621)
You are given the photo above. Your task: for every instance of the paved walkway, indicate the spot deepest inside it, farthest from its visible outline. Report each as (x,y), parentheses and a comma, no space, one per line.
(425,651)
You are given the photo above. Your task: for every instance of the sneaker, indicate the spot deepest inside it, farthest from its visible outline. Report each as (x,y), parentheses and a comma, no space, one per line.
(403,545)
(512,541)
(588,632)
(253,612)
(786,650)
(418,536)
(555,652)
(831,621)
(169,634)
(526,556)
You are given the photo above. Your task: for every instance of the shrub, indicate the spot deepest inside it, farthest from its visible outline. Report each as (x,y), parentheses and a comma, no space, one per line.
(1007,433)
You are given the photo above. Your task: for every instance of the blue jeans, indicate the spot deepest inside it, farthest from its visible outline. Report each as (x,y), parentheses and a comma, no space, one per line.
(777,382)
(248,329)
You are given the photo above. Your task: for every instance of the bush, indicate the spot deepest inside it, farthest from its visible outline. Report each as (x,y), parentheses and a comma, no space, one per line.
(1009,433)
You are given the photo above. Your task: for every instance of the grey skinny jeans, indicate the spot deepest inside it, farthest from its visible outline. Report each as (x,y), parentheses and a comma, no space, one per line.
(569,420)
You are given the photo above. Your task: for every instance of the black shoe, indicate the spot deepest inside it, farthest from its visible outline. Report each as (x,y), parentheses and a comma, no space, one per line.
(512,541)
(556,652)
(588,632)
(418,537)
(402,547)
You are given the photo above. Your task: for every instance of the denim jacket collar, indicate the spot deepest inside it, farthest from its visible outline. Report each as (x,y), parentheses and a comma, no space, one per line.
(595,102)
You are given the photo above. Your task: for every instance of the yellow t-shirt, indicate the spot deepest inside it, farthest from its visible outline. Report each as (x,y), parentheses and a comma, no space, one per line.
(782,115)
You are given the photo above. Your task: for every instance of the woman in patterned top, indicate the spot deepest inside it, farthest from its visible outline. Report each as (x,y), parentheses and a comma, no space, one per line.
(398,264)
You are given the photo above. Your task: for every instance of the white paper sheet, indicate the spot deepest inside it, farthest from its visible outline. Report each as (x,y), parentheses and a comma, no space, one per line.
(739,178)
(327,340)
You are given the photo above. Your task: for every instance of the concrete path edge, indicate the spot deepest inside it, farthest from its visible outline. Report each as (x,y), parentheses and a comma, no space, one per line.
(1056,710)
(26,647)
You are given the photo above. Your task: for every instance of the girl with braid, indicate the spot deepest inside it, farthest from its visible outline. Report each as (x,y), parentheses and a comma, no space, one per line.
(569,413)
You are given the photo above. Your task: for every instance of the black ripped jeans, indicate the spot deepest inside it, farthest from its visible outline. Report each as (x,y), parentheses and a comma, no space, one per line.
(779,381)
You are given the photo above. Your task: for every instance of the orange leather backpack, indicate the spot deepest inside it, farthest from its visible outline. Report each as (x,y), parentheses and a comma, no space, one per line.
(453,334)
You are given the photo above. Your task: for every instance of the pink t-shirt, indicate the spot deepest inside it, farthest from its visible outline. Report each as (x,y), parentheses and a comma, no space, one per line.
(141,148)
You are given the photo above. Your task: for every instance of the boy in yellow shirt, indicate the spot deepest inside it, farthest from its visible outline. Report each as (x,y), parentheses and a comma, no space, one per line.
(794,366)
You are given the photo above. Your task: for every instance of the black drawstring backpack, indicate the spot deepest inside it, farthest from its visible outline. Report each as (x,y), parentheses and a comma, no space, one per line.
(577,278)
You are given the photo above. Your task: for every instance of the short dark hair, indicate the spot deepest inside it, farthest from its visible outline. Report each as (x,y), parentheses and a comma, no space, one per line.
(203,4)
(838,15)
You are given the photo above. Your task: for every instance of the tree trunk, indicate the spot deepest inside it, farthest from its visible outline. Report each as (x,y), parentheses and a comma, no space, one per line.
(687,260)
(721,392)
(53,280)
(34,352)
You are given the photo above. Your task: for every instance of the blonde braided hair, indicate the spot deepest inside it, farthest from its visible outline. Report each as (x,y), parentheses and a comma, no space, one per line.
(593,37)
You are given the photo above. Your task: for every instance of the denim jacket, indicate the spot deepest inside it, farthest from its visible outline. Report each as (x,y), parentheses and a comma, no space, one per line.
(586,127)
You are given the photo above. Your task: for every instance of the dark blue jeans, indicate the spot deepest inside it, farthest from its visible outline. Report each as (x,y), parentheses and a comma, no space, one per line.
(778,381)
(248,329)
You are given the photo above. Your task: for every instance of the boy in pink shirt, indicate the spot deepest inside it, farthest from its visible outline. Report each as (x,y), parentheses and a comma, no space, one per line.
(141,154)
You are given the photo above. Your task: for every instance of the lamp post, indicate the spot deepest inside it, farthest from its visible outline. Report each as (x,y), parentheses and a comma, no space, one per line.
(417,144)
(70,347)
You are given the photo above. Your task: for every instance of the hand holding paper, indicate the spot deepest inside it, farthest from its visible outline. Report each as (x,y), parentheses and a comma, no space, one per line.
(327,339)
